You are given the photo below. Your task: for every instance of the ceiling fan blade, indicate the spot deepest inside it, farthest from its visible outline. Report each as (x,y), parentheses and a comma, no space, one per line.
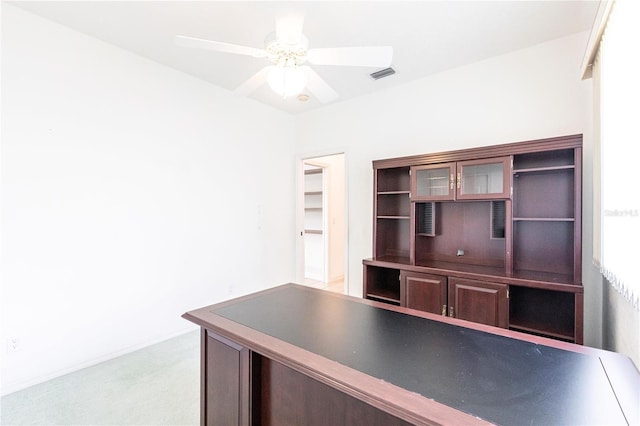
(318,87)
(254,82)
(199,43)
(289,28)
(375,56)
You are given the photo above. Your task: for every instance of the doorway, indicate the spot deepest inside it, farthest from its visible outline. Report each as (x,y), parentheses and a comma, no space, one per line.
(322,215)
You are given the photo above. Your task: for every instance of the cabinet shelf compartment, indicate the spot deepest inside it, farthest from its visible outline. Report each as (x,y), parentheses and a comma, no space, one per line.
(544,194)
(393,204)
(543,247)
(426,219)
(542,312)
(461,226)
(393,179)
(544,159)
(382,284)
(392,238)
(498,219)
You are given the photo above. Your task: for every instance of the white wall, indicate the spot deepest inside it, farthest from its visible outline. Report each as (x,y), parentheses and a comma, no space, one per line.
(621,324)
(131,193)
(528,94)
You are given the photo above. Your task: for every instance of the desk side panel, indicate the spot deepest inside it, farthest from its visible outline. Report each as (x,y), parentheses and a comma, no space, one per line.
(292,398)
(226,381)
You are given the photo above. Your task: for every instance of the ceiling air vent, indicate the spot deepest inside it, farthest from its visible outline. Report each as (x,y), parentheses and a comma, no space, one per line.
(382,73)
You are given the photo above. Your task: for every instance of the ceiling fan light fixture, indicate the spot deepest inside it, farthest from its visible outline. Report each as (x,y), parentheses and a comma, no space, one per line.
(288,50)
(287,80)
(279,50)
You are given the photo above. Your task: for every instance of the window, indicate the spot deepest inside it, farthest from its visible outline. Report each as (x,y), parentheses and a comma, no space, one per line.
(616,73)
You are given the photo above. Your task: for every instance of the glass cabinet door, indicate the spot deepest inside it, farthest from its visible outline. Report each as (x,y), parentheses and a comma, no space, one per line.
(433,182)
(487,178)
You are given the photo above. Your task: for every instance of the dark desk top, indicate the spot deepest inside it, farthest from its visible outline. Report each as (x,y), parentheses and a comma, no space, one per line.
(499,379)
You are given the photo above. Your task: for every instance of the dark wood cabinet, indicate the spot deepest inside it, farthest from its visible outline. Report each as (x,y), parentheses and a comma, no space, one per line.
(471,300)
(500,224)
(424,292)
(463,180)
(393,213)
(478,301)
(547,215)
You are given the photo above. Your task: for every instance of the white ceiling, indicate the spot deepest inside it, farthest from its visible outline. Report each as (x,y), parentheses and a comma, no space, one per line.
(427,36)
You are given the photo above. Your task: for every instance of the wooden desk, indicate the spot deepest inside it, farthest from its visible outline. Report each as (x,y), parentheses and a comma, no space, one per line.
(294,355)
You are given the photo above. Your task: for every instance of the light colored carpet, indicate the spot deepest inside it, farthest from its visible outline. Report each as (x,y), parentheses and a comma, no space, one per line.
(157,385)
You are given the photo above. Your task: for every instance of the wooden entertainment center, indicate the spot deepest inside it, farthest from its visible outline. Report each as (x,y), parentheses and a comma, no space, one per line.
(490,235)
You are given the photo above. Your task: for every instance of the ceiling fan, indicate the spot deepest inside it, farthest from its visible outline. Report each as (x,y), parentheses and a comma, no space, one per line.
(288,50)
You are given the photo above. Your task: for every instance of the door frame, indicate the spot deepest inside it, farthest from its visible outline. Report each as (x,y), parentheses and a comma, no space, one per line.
(299,214)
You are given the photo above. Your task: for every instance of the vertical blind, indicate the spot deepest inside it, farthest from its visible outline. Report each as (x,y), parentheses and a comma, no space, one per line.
(616,78)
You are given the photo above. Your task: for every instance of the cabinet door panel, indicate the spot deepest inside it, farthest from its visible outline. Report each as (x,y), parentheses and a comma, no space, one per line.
(424,292)
(433,182)
(226,381)
(484,179)
(478,301)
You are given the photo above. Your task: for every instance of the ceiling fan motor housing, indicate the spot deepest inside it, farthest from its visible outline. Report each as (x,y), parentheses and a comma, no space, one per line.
(286,54)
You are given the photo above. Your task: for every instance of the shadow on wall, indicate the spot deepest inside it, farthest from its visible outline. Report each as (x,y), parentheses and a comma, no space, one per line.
(620,324)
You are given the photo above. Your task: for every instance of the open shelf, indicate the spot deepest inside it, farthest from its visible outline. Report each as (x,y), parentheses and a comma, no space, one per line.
(543,169)
(383,284)
(544,246)
(393,204)
(543,219)
(542,312)
(401,260)
(393,180)
(547,277)
(462,226)
(386,299)
(546,333)
(392,237)
(548,194)
(393,192)
(544,160)
(496,271)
